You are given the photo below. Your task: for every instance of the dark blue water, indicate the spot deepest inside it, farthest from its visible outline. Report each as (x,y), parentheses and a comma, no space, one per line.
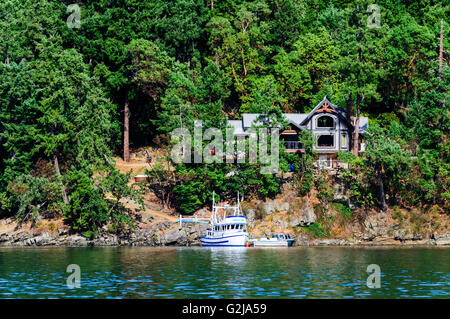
(300,272)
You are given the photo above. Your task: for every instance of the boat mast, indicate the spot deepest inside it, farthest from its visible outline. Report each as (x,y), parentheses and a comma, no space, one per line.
(213,216)
(236,210)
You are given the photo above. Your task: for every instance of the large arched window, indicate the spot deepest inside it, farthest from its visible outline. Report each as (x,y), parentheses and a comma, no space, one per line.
(325,121)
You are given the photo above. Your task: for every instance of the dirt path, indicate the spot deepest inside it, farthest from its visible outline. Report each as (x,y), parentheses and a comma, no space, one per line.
(138,166)
(153,207)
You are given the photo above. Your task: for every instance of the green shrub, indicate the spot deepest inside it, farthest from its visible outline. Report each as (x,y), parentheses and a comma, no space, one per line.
(344,210)
(318,230)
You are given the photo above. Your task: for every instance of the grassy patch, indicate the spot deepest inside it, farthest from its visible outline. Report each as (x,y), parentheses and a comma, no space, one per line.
(317,230)
(344,210)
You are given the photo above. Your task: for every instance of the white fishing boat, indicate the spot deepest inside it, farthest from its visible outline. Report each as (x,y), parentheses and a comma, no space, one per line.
(278,240)
(226,230)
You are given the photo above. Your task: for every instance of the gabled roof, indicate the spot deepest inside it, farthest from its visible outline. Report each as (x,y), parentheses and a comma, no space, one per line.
(298,119)
(325,106)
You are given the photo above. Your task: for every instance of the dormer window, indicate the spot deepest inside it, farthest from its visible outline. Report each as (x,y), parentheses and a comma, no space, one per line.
(325,122)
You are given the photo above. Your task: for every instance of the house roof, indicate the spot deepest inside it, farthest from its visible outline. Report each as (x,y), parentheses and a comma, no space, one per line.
(327,106)
(238,128)
(363,124)
(249,119)
(297,119)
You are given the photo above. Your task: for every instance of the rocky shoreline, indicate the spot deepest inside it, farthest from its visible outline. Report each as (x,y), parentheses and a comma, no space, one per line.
(288,214)
(190,237)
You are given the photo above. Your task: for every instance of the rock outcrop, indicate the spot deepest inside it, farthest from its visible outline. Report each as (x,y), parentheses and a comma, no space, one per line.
(164,234)
(301,214)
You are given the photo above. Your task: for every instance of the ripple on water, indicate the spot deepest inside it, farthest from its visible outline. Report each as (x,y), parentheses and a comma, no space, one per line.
(209,273)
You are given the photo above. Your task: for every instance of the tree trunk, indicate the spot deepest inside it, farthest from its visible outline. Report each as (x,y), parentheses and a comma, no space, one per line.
(350,112)
(441,49)
(7,54)
(356,128)
(382,195)
(126,131)
(58,172)
(212,4)
(358,102)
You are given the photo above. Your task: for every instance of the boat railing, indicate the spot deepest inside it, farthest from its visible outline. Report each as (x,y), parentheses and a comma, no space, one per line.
(193,219)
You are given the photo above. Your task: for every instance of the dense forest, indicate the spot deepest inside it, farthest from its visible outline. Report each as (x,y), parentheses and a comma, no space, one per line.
(80,84)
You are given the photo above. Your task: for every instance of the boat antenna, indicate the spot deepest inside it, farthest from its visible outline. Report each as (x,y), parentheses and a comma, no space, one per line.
(213,215)
(239,203)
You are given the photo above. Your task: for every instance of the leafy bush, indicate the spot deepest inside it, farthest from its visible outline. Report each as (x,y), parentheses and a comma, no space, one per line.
(318,230)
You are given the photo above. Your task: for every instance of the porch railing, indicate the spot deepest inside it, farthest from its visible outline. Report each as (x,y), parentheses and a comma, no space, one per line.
(331,163)
(292,145)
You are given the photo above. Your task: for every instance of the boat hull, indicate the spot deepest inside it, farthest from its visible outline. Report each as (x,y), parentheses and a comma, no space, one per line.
(269,243)
(237,240)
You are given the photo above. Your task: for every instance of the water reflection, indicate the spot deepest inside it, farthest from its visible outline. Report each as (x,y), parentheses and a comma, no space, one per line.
(302,272)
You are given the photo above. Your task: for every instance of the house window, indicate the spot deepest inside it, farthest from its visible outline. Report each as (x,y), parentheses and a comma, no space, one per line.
(344,141)
(325,141)
(325,121)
